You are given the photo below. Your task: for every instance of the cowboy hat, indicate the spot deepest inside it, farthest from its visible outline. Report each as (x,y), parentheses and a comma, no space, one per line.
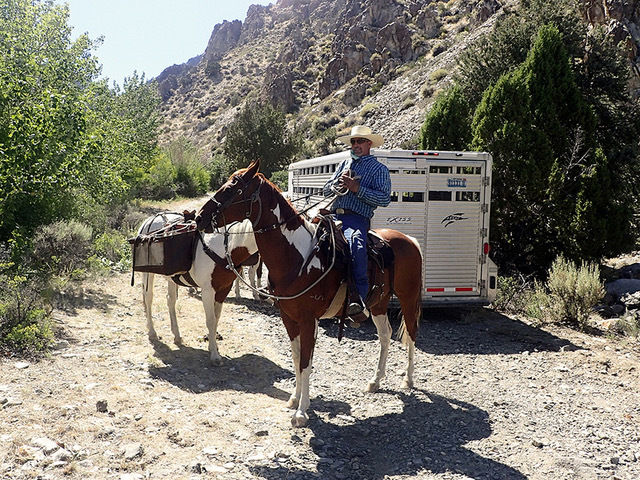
(360,131)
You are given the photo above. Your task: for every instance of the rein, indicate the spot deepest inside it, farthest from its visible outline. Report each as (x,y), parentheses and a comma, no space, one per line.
(255,197)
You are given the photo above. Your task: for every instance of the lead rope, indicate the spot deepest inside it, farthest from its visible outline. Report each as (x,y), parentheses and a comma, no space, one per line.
(231,267)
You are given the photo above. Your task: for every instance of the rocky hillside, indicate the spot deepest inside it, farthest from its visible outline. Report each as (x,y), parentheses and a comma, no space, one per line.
(334,63)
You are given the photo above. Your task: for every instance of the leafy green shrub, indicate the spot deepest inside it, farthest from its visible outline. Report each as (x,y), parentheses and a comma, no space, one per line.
(538,304)
(24,326)
(627,325)
(62,247)
(111,251)
(574,291)
(438,75)
(192,179)
(511,295)
(159,182)
(368,109)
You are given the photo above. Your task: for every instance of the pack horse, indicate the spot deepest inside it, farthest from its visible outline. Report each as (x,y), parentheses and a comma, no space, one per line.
(207,270)
(302,280)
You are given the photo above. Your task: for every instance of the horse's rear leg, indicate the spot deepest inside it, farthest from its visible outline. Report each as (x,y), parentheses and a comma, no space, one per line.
(172,297)
(411,309)
(253,279)
(236,282)
(384,335)
(147,301)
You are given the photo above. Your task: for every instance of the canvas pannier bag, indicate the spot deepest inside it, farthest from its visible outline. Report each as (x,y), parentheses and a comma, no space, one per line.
(168,251)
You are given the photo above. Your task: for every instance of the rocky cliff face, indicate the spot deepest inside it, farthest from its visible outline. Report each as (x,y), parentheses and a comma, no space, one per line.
(333,63)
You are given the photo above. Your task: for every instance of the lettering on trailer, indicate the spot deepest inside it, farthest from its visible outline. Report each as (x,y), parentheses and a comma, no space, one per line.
(457,182)
(454,217)
(399,220)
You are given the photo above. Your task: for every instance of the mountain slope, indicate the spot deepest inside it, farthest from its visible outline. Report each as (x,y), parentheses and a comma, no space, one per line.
(334,63)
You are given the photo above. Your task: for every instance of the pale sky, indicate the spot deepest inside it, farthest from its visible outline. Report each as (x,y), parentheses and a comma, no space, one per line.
(150,35)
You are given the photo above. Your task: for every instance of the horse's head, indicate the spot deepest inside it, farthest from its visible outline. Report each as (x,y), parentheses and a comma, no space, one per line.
(234,201)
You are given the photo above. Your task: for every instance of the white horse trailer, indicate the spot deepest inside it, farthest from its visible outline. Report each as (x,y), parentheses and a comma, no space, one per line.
(443,200)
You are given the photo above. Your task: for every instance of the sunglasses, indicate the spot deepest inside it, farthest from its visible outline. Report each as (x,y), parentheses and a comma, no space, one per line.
(359,141)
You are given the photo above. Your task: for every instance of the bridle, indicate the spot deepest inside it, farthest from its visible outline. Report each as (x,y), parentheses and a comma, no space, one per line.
(248,200)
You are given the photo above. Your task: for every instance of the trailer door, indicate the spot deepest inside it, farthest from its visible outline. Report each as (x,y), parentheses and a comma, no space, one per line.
(453,249)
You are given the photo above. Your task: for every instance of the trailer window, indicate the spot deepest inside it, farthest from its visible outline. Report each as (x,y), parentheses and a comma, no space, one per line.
(440,169)
(413,172)
(394,171)
(412,197)
(439,196)
(394,196)
(469,170)
(467,196)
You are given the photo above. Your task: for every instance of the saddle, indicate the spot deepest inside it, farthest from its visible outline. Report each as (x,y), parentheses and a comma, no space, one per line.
(331,240)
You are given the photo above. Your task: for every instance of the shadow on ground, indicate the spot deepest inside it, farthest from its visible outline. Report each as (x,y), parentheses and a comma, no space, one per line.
(190,369)
(462,331)
(428,435)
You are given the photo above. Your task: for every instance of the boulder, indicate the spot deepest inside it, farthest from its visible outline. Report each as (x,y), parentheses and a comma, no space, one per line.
(623,286)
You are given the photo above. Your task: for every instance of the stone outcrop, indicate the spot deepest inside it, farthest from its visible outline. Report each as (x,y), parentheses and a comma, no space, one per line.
(324,58)
(225,36)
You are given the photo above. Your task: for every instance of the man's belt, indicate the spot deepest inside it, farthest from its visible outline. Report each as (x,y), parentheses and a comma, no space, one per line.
(346,211)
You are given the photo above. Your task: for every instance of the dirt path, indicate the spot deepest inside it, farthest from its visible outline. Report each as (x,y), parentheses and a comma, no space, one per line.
(494,399)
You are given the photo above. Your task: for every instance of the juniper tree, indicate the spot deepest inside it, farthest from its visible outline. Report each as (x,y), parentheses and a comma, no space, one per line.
(550,176)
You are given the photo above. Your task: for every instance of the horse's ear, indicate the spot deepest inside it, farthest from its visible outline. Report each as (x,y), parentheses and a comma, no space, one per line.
(253,168)
(189,215)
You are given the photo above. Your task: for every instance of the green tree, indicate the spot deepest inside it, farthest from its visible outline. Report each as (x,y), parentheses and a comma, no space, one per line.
(448,123)
(69,146)
(558,174)
(45,80)
(550,184)
(260,132)
(125,127)
(508,44)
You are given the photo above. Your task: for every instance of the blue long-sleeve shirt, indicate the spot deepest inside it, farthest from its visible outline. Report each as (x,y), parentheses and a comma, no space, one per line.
(375,186)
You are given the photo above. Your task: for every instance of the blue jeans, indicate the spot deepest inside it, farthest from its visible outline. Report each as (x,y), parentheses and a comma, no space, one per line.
(355,228)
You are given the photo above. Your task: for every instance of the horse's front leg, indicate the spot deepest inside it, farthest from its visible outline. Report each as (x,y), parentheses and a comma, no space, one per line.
(384,335)
(172,296)
(303,338)
(212,312)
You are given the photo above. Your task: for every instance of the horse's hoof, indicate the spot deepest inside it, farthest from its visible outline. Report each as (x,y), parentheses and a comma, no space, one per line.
(216,360)
(293,403)
(299,419)
(153,337)
(372,387)
(407,384)
(177,341)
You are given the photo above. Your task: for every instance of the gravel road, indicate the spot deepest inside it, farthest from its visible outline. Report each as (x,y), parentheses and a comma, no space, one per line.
(494,399)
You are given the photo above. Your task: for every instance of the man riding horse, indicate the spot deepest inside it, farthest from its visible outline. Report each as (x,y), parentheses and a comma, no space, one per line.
(362,184)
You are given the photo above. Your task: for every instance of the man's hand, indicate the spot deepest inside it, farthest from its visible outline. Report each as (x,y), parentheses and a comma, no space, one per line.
(351,183)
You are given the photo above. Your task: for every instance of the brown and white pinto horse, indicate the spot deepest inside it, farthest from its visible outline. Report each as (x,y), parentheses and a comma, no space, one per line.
(211,276)
(306,290)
